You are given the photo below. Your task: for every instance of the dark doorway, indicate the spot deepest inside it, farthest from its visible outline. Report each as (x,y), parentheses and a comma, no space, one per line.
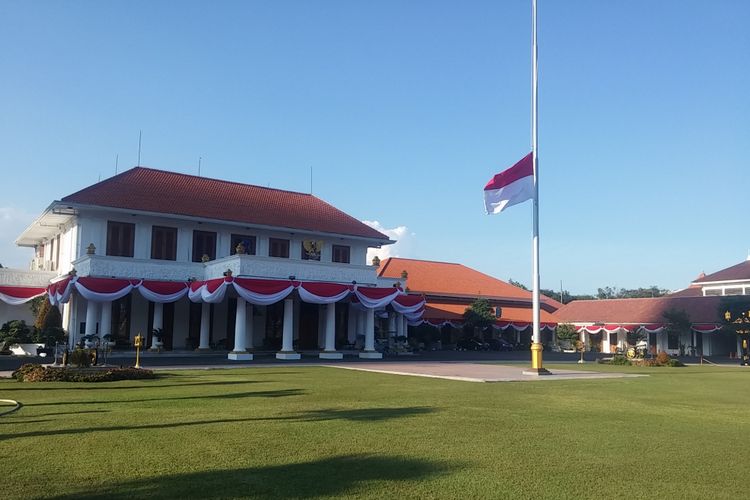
(308,326)
(274,326)
(342,321)
(167,326)
(120,327)
(231,317)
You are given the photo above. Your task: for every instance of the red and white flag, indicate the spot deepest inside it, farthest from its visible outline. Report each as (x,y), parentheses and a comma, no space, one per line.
(511,186)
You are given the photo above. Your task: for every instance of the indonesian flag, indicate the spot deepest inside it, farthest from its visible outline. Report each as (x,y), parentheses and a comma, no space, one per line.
(511,186)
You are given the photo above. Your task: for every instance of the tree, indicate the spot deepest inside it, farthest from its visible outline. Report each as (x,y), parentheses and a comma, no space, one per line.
(676,322)
(567,333)
(479,314)
(518,284)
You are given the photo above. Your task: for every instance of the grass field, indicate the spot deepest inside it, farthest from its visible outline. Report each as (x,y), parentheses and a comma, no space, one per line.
(310,432)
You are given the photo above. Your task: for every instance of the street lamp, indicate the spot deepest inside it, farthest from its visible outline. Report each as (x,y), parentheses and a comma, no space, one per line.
(741,325)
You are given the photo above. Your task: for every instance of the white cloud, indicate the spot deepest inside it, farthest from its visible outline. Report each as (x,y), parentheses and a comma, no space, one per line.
(12,223)
(404,246)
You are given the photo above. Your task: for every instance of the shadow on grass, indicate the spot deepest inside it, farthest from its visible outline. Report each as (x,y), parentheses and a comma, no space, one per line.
(107,387)
(235,395)
(344,475)
(359,415)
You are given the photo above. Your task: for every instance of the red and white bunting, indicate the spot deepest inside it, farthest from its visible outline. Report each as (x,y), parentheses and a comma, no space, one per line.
(706,327)
(376,298)
(104,289)
(408,304)
(653,328)
(163,291)
(323,293)
(262,292)
(59,291)
(17,295)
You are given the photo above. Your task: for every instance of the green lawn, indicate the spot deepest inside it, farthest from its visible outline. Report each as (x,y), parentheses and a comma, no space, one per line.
(309,432)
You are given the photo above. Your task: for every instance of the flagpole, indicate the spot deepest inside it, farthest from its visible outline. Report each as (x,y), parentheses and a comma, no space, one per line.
(536,345)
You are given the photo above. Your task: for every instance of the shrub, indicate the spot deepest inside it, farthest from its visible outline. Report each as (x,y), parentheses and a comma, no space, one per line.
(662,358)
(675,363)
(15,332)
(80,358)
(620,360)
(39,373)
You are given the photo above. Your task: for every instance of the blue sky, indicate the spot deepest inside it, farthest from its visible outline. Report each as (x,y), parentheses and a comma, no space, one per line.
(404,110)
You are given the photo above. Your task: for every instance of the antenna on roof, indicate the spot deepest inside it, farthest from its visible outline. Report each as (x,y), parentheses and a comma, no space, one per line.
(117,160)
(199,165)
(140,133)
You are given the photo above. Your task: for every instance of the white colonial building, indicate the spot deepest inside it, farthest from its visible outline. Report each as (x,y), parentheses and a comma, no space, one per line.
(208,263)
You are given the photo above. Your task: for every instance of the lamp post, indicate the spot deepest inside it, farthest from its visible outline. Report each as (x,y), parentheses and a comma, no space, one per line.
(741,324)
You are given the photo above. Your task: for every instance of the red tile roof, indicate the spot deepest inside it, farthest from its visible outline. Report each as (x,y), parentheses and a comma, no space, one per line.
(453,280)
(158,191)
(643,311)
(739,271)
(455,312)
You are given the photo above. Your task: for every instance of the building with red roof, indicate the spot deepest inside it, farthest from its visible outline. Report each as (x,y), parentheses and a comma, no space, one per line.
(192,262)
(605,324)
(450,288)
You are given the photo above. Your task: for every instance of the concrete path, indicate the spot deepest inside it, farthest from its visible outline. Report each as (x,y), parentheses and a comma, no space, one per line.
(475,372)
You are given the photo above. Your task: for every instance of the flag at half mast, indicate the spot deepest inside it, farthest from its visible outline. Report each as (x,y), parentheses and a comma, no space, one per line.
(510,187)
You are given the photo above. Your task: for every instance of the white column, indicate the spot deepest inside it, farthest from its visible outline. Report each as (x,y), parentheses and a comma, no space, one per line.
(406,325)
(370,352)
(392,332)
(240,323)
(92,314)
(399,325)
(330,325)
(287,346)
(105,323)
(661,344)
(158,323)
(205,327)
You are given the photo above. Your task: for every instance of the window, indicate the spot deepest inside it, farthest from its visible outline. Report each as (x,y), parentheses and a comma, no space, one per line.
(120,239)
(278,248)
(311,249)
(340,254)
(164,243)
(204,243)
(247,241)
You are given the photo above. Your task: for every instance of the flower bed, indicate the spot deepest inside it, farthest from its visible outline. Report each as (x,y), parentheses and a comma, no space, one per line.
(39,373)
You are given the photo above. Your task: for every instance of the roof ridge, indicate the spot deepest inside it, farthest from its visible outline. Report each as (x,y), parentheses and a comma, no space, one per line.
(429,261)
(214,179)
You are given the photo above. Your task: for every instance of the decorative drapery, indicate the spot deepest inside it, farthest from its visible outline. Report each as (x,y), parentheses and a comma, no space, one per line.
(253,290)
(706,327)
(163,291)
(17,295)
(323,293)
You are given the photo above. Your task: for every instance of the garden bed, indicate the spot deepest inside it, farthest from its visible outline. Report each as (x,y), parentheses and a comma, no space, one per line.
(39,373)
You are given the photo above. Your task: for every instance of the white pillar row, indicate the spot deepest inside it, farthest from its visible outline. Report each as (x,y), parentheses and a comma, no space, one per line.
(105,323)
(203,344)
(239,353)
(71,324)
(330,326)
(406,325)
(370,352)
(92,314)
(392,332)
(158,323)
(287,345)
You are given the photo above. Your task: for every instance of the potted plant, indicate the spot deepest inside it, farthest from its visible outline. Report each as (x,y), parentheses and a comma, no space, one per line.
(90,341)
(158,334)
(109,341)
